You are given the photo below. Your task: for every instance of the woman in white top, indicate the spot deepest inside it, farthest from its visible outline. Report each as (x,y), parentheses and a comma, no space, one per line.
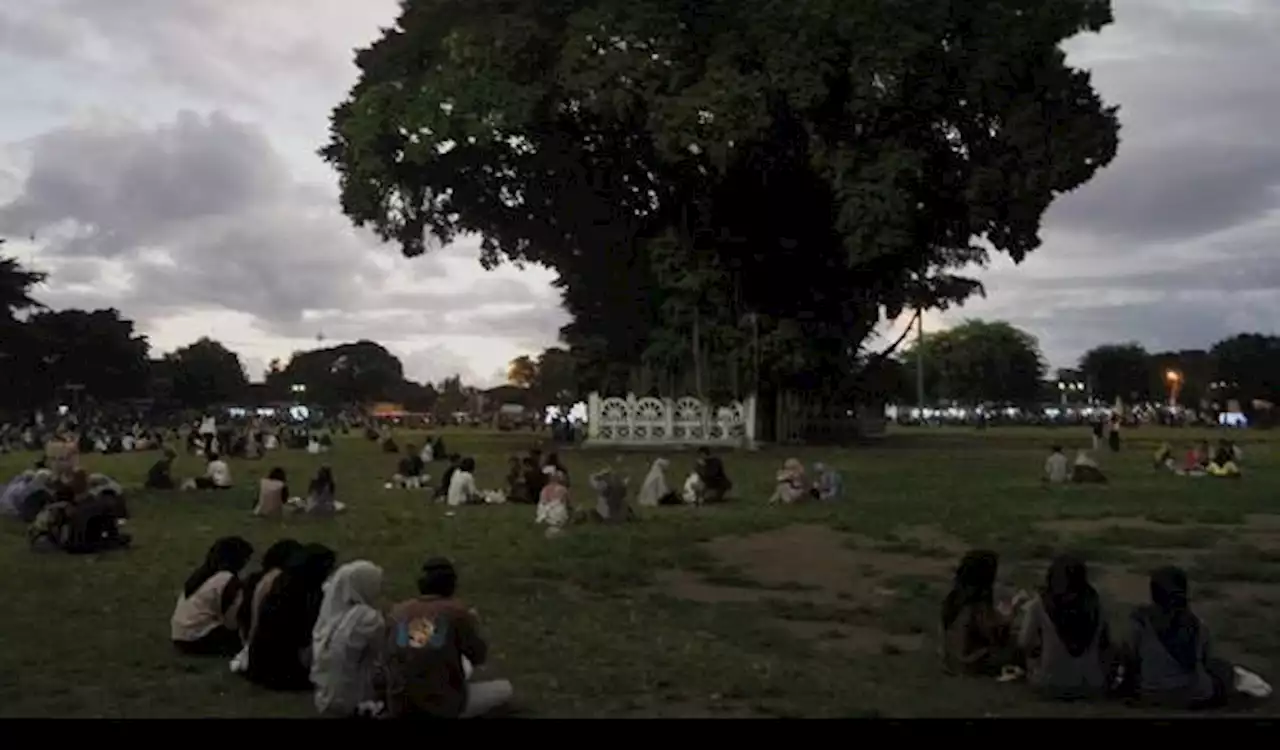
(217,475)
(204,620)
(462,485)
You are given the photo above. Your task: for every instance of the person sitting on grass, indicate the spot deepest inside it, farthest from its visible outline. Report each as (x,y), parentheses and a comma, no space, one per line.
(711,474)
(428,452)
(1197,460)
(552,461)
(217,475)
(829,486)
(1224,463)
(280,650)
(1168,660)
(434,644)
(410,471)
(1056,470)
(273,493)
(347,642)
(977,634)
(462,485)
(1065,637)
(256,588)
(611,497)
(655,491)
(204,622)
(554,511)
(160,475)
(389,444)
(1086,470)
(517,488)
(446,479)
(791,485)
(1163,459)
(322,495)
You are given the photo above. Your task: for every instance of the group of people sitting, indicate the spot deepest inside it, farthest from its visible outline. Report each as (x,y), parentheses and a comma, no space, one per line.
(1085,470)
(794,485)
(707,484)
(304,623)
(1061,642)
(1223,462)
(75,511)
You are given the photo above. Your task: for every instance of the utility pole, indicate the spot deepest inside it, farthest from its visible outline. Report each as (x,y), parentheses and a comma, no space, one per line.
(920,361)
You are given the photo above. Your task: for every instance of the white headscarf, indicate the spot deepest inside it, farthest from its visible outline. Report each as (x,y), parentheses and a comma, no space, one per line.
(655,484)
(347,624)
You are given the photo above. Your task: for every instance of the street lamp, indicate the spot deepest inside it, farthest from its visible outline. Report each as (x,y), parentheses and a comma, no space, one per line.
(298,389)
(1174,379)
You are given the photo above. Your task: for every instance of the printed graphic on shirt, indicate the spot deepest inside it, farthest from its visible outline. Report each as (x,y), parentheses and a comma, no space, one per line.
(422,632)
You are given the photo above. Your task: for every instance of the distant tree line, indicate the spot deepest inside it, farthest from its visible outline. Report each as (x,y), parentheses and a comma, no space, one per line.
(97,356)
(995,362)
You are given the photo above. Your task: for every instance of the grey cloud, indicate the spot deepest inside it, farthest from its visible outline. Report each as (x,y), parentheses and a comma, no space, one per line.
(204,214)
(1198,97)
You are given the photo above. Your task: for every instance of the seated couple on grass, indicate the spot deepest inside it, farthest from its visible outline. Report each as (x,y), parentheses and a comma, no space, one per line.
(1085,470)
(321,500)
(555,508)
(1061,642)
(794,486)
(300,625)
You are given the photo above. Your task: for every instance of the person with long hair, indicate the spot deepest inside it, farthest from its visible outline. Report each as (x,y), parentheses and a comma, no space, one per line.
(256,587)
(1065,637)
(976,633)
(1169,660)
(347,640)
(280,649)
(322,494)
(204,621)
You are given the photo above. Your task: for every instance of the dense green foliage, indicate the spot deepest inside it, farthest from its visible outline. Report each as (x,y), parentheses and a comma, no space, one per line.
(746,188)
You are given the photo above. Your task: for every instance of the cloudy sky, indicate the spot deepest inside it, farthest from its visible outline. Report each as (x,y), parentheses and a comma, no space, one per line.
(161,153)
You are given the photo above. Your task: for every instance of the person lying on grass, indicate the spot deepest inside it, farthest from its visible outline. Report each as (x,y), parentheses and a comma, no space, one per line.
(204,621)
(1169,659)
(434,642)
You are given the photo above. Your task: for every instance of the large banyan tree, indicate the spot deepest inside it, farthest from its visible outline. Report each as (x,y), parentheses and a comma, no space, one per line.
(735,193)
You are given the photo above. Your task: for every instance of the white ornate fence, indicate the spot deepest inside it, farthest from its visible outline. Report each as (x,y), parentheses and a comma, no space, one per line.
(641,422)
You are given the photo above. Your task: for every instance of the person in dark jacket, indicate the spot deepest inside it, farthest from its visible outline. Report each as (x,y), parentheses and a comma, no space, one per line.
(280,650)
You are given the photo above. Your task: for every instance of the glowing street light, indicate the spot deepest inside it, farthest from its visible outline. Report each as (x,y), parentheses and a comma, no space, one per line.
(298,388)
(1174,379)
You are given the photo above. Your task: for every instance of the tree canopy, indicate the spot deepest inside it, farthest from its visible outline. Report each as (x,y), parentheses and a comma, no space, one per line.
(743,188)
(205,373)
(980,362)
(1121,371)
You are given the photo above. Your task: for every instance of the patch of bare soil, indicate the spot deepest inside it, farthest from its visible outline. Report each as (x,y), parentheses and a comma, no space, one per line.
(820,557)
(817,566)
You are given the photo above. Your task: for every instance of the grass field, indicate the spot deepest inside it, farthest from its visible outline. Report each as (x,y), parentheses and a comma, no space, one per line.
(738,611)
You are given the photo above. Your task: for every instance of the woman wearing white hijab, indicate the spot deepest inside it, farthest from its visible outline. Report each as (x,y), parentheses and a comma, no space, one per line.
(655,490)
(346,641)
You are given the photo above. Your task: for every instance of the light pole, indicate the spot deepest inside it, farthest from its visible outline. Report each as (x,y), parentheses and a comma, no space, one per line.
(1174,379)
